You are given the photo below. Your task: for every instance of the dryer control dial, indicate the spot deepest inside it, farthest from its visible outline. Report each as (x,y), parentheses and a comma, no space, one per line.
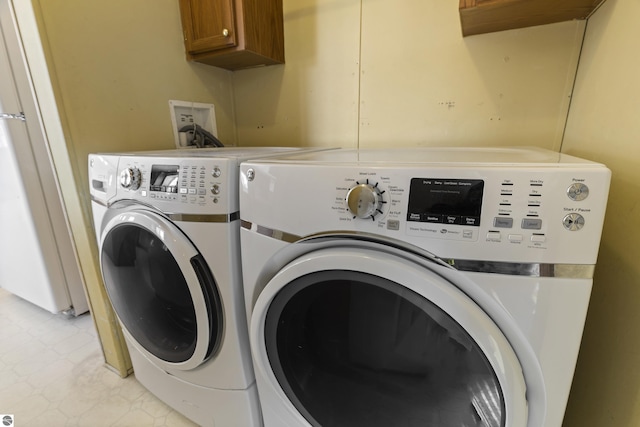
(365,200)
(130,178)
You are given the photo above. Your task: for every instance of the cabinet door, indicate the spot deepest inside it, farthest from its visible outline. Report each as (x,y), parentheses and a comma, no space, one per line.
(208,24)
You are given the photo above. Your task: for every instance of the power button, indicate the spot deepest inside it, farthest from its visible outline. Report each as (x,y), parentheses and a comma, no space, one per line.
(578,192)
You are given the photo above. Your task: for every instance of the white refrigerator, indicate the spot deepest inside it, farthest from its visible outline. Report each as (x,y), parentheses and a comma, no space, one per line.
(37,257)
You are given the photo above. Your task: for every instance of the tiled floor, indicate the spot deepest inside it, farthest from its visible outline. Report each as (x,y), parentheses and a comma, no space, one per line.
(52,373)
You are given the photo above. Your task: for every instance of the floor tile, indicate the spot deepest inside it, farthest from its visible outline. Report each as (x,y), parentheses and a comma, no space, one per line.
(52,373)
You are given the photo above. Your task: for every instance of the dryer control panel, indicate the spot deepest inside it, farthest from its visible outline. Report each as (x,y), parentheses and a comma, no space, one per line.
(525,213)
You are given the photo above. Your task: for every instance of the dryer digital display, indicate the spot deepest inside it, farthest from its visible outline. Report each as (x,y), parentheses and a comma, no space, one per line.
(164,178)
(446,201)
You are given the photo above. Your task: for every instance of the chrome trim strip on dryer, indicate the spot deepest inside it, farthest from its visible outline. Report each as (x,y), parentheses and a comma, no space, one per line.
(277,234)
(204,218)
(270,232)
(569,271)
(98,201)
(212,218)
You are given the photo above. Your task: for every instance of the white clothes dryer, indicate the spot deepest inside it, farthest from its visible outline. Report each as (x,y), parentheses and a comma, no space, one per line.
(418,287)
(167,226)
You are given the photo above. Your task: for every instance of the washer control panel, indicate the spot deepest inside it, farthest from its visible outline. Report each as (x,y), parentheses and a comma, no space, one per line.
(197,185)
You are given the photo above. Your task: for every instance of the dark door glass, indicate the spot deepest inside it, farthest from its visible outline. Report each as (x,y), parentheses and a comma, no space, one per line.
(150,294)
(352,349)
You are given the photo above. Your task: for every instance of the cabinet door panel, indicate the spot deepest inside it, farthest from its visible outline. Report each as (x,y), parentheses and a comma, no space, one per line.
(208,24)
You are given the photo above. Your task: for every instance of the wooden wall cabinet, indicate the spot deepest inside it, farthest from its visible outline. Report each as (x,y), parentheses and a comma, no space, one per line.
(233,34)
(486,16)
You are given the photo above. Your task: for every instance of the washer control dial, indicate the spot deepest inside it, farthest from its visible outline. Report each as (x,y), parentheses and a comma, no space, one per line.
(130,178)
(578,192)
(573,222)
(365,200)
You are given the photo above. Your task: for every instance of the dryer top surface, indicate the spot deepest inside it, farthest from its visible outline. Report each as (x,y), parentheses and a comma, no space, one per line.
(459,156)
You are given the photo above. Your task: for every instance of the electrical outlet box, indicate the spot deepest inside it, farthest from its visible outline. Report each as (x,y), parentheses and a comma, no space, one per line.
(184,113)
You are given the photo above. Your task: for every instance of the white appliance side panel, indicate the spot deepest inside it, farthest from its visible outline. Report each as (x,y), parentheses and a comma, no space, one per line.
(23,271)
(33,168)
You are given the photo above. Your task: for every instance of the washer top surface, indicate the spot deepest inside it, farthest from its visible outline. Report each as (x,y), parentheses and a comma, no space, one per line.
(221,152)
(487,156)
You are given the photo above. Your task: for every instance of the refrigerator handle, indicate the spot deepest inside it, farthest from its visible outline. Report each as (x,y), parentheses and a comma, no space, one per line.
(19,116)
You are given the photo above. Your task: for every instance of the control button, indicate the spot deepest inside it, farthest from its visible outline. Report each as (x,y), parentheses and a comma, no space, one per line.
(538,238)
(216,172)
(531,224)
(432,218)
(183,190)
(393,224)
(201,191)
(578,192)
(471,220)
(192,191)
(452,219)
(493,236)
(215,189)
(573,222)
(502,222)
(515,237)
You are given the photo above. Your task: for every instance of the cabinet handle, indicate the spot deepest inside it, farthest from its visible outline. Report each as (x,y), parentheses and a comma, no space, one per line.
(225,32)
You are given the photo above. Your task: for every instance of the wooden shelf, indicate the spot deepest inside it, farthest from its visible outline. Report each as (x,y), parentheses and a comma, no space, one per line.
(487,16)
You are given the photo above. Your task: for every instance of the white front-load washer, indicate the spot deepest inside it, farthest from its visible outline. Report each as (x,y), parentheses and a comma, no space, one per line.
(418,287)
(167,225)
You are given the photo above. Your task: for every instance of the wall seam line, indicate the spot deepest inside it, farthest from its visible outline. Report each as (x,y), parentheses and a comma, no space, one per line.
(359,81)
(573,86)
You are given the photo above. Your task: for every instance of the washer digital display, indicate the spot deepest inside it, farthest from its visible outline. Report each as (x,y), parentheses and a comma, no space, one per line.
(164,178)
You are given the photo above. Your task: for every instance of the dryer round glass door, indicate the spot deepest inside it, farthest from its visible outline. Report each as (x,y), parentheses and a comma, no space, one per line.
(364,338)
(161,289)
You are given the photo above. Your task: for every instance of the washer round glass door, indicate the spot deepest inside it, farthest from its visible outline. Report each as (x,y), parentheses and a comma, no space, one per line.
(360,337)
(161,289)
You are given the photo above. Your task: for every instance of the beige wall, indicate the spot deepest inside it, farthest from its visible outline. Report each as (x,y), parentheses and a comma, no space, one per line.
(604,124)
(398,72)
(118,63)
